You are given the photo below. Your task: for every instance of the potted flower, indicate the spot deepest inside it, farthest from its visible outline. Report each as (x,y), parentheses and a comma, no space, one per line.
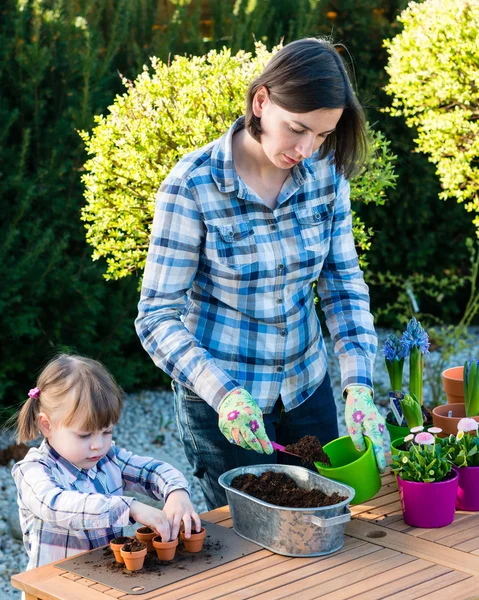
(427,482)
(448,416)
(463,450)
(414,345)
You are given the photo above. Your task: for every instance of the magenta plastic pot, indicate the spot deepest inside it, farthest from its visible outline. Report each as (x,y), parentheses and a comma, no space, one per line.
(428,505)
(468,489)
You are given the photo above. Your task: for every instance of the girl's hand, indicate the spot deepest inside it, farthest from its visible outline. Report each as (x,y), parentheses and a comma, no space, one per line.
(178,508)
(152,517)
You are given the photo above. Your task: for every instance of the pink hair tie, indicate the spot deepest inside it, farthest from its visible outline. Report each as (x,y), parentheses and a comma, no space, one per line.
(34,393)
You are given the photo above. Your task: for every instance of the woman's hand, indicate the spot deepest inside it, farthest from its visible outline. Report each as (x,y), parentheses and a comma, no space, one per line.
(178,508)
(241,422)
(152,517)
(362,417)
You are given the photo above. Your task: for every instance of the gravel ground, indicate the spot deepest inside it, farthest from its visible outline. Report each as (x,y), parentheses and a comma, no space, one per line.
(161,441)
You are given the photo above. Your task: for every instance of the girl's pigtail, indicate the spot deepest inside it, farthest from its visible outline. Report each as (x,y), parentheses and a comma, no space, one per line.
(27,426)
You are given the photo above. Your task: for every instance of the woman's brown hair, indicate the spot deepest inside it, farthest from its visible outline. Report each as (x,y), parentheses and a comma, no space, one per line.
(307,75)
(82,385)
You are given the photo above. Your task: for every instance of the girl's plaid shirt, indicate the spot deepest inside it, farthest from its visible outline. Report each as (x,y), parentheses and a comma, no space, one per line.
(65,510)
(227,297)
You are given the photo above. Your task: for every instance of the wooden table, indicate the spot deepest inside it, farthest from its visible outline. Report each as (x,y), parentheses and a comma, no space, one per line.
(382,558)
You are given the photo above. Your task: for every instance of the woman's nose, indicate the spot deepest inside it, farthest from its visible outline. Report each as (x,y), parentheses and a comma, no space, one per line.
(306,147)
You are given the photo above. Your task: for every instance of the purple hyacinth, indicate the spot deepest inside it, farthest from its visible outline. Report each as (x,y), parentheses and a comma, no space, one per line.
(415,337)
(393,348)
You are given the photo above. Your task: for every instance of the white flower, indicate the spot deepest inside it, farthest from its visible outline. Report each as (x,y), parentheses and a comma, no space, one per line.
(435,430)
(409,437)
(425,438)
(467,425)
(417,429)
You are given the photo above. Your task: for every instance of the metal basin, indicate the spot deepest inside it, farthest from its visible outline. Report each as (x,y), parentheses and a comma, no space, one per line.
(289,531)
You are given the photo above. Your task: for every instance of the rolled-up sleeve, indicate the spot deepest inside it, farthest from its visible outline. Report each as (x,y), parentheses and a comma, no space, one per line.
(171,267)
(344,298)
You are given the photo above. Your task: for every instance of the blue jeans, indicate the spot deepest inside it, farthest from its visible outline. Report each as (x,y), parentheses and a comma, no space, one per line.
(210,454)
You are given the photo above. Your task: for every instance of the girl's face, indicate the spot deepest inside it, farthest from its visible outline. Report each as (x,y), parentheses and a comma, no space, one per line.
(287,137)
(82,448)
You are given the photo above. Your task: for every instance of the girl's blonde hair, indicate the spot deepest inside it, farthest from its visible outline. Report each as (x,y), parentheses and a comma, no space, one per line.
(82,383)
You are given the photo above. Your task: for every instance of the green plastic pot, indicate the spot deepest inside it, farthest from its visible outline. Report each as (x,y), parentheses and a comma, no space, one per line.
(395,431)
(395,444)
(354,468)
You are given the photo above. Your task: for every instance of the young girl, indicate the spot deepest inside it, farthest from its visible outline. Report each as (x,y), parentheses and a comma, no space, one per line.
(70,489)
(243,229)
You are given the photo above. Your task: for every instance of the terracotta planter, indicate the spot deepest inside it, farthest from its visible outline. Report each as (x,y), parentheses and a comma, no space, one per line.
(133,560)
(117,545)
(453,384)
(165,550)
(146,537)
(195,543)
(449,424)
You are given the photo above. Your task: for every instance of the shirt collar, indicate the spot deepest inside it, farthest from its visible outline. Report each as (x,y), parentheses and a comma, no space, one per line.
(222,165)
(72,472)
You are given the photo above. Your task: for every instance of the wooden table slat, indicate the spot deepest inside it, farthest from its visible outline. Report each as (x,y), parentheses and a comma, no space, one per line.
(431,585)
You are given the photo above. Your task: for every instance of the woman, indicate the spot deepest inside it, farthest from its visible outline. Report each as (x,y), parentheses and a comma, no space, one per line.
(243,228)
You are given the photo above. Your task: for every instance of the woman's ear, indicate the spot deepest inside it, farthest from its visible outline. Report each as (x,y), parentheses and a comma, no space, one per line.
(44,424)
(260,98)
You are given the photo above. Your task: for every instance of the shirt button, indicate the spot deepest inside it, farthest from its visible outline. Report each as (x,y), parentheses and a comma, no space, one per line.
(273,227)
(283,333)
(279,369)
(317,217)
(279,300)
(280,267)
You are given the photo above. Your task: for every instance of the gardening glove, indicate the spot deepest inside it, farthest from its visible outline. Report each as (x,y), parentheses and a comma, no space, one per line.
(241,422)
(362,417)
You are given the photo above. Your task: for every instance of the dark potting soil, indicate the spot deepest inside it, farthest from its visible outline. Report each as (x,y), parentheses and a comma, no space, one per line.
(15,451)
(152,563)
(281,490)
(309,449)
(134,546)
(145,530)
(121,540)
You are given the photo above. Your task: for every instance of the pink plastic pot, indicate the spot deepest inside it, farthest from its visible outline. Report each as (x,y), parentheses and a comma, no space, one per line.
(468,489)
(428,505)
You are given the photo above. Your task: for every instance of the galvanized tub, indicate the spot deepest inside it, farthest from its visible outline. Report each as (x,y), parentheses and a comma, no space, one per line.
(289,531)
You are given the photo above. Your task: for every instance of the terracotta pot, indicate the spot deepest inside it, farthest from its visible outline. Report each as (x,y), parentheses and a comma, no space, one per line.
(147,538)
(165,550)
(116,547)
(449,424)
(195,543)
(453,384)
(134,560)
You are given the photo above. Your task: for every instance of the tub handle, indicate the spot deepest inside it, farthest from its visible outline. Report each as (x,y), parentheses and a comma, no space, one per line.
(314,520)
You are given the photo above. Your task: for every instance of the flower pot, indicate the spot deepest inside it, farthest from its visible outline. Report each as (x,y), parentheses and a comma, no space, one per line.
(195,543)
(449,424)
(165,550)
(134,559)
(395,431)
(395,446)
(453,384)
(146,535)
(354,468)
(468,488)
(428,505)
(116,545)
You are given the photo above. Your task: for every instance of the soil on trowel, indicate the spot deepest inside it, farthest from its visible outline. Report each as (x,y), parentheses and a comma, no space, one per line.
(310,450)
(281,490)
(152,564)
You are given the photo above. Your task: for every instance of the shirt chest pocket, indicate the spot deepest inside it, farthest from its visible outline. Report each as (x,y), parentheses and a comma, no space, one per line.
(233,244)
(315,226)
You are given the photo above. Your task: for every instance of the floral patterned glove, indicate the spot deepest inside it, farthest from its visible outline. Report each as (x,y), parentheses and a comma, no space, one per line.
(241,422)
(362,417)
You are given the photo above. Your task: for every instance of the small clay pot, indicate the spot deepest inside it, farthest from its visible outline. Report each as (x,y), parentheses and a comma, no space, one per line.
(165,550)
(146,535)
(449,424)
(116,545)
(195,543)
(453,384)
(133,560)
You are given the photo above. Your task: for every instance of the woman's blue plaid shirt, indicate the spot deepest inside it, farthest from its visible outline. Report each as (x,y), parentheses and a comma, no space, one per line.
(228,298)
